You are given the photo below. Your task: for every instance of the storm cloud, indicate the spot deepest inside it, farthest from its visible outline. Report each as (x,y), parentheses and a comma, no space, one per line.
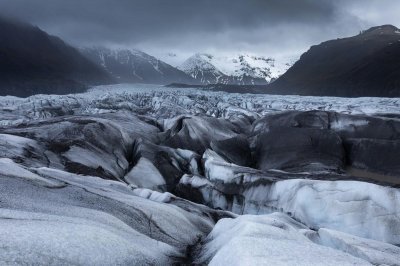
(266,27)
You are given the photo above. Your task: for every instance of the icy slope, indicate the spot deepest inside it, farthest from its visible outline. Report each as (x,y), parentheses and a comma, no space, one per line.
(358,208)
(276,239)
(74,219)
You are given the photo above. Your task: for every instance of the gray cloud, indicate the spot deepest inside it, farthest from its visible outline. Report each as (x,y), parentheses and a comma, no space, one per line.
(186,26)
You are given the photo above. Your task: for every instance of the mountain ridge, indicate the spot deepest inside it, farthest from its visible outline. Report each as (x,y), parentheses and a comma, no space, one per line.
(361,65)
(241,69)
(32,61)
(131,65)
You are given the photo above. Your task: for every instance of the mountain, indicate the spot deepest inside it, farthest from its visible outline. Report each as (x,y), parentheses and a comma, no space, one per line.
(32,62)
(364,65)
(134,66)
(243,69)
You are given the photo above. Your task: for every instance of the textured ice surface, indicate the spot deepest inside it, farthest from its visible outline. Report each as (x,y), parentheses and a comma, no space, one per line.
(9,168)
(98,178)
(145,175)
(45,239)
(359,208)
(376,252)
(273,239)
(88,220)
(169,102)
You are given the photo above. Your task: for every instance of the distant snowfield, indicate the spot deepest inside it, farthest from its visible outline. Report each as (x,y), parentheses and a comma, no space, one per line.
(87,179)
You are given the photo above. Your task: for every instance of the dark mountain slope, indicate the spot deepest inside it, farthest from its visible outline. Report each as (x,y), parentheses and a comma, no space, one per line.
(135,66)
(364,65)
(31,62)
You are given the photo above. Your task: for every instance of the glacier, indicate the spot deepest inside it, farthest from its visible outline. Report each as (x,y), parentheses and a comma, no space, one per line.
(144,174)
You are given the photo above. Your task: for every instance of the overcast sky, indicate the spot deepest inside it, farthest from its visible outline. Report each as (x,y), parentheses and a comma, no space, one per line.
(183,27)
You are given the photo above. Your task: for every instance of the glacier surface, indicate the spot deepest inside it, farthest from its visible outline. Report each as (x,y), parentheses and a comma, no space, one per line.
(144,174)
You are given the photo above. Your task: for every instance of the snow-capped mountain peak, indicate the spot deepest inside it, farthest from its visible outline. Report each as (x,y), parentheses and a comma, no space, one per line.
(200,68)
(201,61)
(237,69)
